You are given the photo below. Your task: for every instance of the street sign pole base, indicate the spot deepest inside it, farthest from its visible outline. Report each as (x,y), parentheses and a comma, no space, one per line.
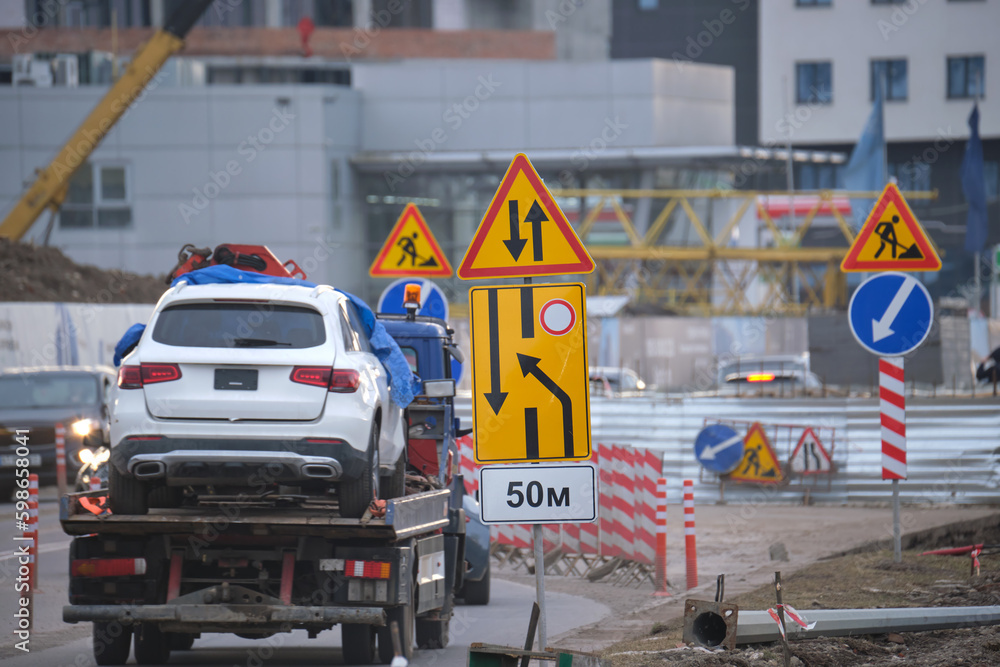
(540,583)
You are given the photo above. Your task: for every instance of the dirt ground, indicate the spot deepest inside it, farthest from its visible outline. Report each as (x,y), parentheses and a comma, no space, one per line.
(834,561)
(35,273)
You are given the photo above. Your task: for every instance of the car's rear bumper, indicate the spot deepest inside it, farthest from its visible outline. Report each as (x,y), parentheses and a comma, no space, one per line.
(238,461)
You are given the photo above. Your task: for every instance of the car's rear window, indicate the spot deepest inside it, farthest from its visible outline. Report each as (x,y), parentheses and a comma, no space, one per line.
(240,325)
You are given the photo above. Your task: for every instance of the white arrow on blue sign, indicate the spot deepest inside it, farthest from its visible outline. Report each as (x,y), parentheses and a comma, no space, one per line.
(719,448)
(891,314)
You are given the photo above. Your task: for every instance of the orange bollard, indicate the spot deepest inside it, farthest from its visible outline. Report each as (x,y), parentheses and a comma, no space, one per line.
(690,552)
(61,458)
(660,575)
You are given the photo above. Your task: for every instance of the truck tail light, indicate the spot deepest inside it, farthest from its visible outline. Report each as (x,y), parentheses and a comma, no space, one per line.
(135,377)
(367,569)
(108,567)
(342,381)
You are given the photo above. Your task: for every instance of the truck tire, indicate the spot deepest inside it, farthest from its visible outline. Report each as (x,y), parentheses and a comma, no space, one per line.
(108,649)
(477,592)
(152,645)
(181,641)
(357,494)
(432,633)
(358,642)
(126,494)
(394,486)
(403,616)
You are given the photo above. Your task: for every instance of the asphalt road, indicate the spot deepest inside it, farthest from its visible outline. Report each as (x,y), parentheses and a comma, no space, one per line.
(56,644)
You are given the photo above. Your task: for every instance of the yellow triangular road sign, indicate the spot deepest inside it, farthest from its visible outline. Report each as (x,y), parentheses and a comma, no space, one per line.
(410,250)
(891,239)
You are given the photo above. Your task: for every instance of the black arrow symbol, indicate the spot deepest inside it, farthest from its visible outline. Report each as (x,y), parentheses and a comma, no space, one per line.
(515,244)
(530,365)
(495,397)
(536,216)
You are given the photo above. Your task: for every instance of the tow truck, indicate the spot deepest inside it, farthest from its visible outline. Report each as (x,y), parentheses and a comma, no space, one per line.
(260,566)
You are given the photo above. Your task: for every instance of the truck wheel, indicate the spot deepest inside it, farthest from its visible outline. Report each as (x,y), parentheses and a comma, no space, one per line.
(432,633)
(394,486)
(181,641)
(403,616)
(109,648)
(152,645)
(477,592)
(358,642)
(357,494)
(126,494)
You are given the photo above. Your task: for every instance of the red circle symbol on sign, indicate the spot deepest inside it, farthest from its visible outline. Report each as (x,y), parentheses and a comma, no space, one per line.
(557,317)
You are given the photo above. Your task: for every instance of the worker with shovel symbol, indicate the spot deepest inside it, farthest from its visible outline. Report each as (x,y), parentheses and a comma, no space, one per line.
(887,233)
(409,250)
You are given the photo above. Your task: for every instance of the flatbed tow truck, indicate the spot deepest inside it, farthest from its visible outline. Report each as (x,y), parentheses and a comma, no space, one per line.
(256,564)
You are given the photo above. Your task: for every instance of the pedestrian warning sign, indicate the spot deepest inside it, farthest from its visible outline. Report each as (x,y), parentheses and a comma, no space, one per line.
(891,239)
(410,250)
(810,457)
(759,464)
(524,233)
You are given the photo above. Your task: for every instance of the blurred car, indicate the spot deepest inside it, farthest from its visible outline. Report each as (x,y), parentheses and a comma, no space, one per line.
(36,399)
(774,374)
(476,584)
(612,381)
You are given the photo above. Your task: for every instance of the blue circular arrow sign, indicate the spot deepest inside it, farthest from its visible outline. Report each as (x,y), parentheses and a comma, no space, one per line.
(891,314)
(719,448)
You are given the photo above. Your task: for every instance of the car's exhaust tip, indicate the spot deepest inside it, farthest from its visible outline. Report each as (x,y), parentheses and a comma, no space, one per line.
(149,470)
(320,471)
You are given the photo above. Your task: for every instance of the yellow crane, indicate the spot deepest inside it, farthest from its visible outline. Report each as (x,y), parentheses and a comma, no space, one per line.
(50,187)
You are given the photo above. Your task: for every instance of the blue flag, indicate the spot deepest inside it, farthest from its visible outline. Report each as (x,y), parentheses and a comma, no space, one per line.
(866,168)
(974,187)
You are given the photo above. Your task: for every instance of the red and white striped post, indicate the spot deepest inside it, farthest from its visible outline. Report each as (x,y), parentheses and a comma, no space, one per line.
(32,531)
(892,406)
(660,574)
(61,458)
(690,552)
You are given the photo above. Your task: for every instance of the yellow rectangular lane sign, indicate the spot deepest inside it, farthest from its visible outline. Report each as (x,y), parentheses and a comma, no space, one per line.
(529,373)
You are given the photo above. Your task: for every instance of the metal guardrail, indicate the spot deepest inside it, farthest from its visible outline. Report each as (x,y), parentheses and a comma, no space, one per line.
(953,445)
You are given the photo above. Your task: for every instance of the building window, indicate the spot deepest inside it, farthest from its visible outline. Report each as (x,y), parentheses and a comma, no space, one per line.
(888,2)
(891,74)
(98,196)
(966,76)
(647,5)
(819,176)
(813,3)
(991,172)
(813,83)
(911,176)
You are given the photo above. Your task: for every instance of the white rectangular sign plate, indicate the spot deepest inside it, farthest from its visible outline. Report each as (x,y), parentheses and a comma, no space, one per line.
(540,493)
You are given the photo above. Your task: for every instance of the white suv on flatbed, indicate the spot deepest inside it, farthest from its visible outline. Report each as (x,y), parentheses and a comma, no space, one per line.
(245,388)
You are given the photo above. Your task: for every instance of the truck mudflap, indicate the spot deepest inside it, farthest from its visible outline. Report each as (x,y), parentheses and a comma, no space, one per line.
(235,617)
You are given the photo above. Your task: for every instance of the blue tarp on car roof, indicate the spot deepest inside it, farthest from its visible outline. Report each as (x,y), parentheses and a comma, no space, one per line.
(403,383)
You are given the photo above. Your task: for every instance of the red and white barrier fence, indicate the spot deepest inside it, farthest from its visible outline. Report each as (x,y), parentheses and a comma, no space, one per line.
(660,571)
(690,550)
(32,531)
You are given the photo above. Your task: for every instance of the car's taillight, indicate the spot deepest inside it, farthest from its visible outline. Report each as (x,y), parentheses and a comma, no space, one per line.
(338,380)
(153,373)
(108,567)
(367,569)
(317,376)
(134,377)
(344,381)
(130,377)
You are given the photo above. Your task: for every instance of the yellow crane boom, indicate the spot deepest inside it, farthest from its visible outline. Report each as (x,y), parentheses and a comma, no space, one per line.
(50,187)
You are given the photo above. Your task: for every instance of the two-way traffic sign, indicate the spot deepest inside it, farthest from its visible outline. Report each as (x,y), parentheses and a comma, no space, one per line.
(719,448)
(524,233)
(890,314)
(530,392)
